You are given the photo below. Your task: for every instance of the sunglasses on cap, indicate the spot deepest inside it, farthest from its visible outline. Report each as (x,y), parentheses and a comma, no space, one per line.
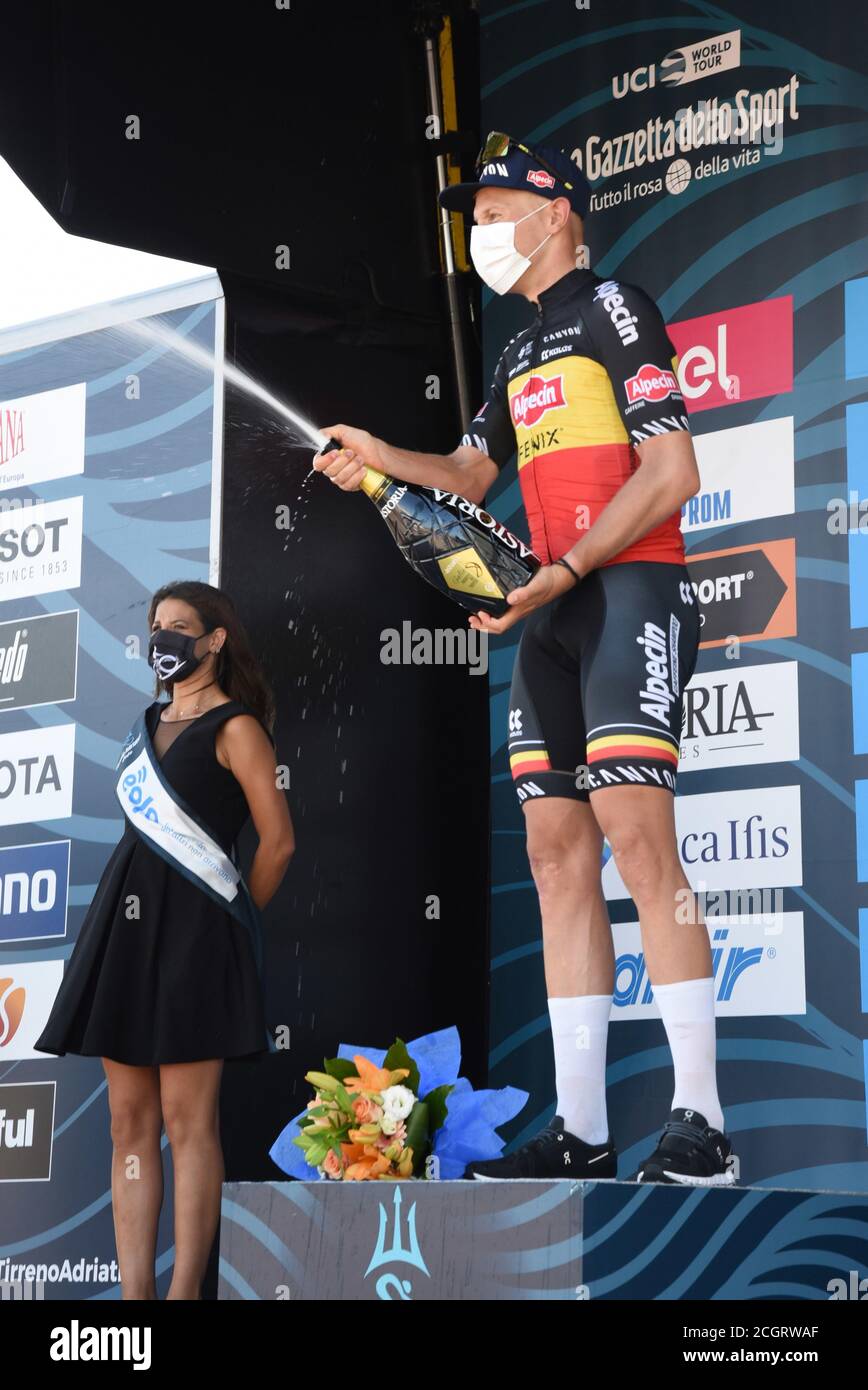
(499,144)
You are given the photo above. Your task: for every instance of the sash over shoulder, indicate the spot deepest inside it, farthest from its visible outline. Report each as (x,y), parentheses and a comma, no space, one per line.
(161,817)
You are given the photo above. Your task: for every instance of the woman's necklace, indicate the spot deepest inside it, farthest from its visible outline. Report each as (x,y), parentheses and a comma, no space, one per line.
(193,713)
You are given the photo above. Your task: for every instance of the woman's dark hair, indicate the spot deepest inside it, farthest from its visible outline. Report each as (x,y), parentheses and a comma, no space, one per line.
(237,669)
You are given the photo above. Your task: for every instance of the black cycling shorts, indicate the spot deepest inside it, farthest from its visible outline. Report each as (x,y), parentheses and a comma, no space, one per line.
(599,677)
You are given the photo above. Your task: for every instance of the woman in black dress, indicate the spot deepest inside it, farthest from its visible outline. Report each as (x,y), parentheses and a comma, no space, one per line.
(164,981)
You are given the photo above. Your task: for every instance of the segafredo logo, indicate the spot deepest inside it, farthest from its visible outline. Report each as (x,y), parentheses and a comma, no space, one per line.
(538,395)
(613,303)
(461,504)
(650,384)
(393,501)
(540,178)
(657,695)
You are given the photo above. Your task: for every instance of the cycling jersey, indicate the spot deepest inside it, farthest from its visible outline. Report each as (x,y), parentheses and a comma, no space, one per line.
(573,394)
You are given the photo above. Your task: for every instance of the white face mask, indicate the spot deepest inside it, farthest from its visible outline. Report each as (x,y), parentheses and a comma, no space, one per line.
(494,254)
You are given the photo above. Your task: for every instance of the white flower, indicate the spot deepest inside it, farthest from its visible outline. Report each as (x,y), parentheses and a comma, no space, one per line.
(398,1101)
(388,1124)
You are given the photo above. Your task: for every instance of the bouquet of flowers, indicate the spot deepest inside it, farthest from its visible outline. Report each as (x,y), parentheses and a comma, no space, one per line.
(399,1114)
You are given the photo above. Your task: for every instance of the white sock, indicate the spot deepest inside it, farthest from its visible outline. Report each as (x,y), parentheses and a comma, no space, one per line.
(580,1028)
(687,1009)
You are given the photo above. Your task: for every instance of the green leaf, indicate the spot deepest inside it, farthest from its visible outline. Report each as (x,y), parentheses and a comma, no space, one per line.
(343,1099)
(417,1134)
(437,1107)
(398,1056)
(339,1067)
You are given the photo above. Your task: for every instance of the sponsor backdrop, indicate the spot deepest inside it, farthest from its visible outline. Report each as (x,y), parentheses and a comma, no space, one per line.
(727,160)
(106,447)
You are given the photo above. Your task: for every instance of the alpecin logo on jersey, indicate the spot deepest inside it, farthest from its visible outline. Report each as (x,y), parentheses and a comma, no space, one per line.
(650,384)
(540,178)
(538,395)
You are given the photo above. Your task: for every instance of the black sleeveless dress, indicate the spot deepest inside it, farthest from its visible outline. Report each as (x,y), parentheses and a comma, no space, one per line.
(179,982)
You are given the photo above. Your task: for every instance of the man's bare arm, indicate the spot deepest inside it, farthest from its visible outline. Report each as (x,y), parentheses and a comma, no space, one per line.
(666,477)
(467,470)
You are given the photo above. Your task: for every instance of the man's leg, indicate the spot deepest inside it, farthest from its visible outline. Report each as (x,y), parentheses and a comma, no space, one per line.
(546,749)
(639,823)
(564,847)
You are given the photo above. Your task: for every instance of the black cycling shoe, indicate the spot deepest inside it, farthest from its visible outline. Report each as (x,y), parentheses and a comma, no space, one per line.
(689,1151)
(553,1153)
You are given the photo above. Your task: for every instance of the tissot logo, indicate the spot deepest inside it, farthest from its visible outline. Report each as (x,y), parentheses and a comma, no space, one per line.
(40,548)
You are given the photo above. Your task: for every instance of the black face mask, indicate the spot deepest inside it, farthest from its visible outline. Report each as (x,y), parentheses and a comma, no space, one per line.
(171,654)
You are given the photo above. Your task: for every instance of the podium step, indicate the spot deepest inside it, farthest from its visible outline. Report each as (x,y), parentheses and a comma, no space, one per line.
(538,1239)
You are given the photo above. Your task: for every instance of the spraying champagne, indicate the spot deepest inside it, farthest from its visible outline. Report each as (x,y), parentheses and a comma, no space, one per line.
(448,540)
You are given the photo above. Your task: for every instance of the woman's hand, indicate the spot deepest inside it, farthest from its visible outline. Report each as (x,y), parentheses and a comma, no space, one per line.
(346,466)
(549,582)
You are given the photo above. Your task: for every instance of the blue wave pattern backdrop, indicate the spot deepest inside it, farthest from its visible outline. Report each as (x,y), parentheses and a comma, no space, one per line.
(705,233)
(147,500)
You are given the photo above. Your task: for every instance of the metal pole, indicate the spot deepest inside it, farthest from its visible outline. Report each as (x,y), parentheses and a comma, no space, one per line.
(452,276)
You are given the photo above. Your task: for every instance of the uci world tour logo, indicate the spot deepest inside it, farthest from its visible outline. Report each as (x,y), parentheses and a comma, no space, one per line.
(389,1285)
(718,53)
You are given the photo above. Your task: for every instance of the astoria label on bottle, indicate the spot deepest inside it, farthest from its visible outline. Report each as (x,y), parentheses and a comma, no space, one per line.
(455,545)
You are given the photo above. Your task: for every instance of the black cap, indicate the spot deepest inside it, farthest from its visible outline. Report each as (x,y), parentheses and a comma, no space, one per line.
(518,170)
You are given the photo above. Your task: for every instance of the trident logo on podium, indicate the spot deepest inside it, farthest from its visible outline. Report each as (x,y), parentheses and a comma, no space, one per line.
(397,1252)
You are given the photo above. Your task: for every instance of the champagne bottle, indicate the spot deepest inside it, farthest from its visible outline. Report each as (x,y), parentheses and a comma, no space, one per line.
(448,540)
